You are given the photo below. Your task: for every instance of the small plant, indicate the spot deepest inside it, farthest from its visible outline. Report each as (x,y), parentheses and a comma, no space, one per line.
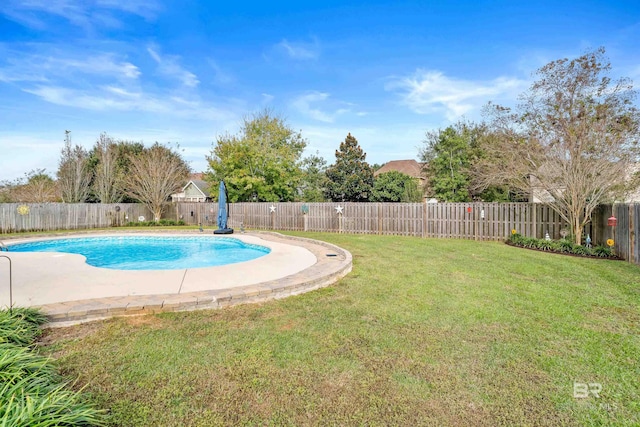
(20,326)
(602,252)
(564,246)
(544,245)
(31,390)
(516,238)
(581,250)
(161,223)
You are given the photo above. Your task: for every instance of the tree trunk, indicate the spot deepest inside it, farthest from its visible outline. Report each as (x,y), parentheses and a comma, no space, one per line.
(577,231)
(157,213)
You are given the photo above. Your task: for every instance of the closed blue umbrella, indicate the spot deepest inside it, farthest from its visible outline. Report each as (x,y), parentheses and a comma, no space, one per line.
(223,211)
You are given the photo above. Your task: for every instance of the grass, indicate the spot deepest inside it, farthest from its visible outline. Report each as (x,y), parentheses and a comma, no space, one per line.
(422,332)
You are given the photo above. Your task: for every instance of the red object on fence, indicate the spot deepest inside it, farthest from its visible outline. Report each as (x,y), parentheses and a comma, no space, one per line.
(469,210)
(612,221)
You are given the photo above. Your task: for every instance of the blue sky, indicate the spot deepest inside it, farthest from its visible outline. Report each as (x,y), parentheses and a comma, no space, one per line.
(188,71)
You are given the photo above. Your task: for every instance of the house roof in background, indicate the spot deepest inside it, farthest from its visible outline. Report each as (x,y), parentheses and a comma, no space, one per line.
(202,185)
(407,167)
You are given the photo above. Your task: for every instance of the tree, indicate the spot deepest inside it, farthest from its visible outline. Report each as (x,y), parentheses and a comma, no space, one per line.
(108,174)
(314,179)
(350,178)
(154,175)
(394,186)
(261,163)
(74,174)
(572,140)
(449,155)
(36,187)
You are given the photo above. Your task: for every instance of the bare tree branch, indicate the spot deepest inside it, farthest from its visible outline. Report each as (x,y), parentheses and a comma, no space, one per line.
(571,143)
(154,175)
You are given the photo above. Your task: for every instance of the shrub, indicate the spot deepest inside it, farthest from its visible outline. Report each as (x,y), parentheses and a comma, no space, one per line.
(31,390)
(602,252)
(581,250)
(566,246)
(560,246)
(544,245)
(161,223)
(20,326)
(516,239)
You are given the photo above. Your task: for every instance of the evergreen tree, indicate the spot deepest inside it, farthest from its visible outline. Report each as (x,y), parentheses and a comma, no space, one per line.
(350,178)
(448,155)
(313,182)
(395,186)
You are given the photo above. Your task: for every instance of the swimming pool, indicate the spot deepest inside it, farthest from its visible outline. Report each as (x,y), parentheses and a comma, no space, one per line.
(150,252)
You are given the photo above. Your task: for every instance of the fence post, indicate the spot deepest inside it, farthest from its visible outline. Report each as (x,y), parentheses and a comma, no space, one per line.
(632,234)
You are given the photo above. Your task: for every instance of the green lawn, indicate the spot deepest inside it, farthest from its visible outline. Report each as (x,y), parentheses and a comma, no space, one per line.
(422,332)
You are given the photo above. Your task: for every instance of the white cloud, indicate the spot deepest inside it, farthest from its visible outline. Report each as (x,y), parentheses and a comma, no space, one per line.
(41,67)
(267,98)
(300,50)
(104,64)
(110,98)
(168,65)
(220,76)
(427,92)
(303,105)
(85,14)
(148,9)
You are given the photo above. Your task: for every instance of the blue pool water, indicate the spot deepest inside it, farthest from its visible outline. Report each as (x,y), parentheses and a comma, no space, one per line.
(151,253)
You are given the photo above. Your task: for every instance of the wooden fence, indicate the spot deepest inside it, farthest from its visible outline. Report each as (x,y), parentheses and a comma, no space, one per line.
(478,221)
(18,217)
(626,234)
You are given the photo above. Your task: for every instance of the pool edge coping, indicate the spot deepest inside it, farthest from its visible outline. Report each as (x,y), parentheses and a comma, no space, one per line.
(326,271)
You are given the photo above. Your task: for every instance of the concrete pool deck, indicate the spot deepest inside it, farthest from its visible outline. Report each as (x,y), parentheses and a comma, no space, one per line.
(70,291)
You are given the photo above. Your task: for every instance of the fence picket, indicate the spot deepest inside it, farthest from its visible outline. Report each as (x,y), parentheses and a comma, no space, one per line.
(439,220)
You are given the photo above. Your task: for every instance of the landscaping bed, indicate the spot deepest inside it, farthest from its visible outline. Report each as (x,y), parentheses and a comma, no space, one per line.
(562,246)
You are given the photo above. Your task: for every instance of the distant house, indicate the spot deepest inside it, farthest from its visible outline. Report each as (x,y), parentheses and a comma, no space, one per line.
(196,190)
(540,195)
(407,167)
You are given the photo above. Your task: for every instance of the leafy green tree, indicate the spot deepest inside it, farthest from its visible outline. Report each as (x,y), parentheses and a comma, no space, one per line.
(261,163)
(314,179)
(450,155)
(350,178)
(395,186)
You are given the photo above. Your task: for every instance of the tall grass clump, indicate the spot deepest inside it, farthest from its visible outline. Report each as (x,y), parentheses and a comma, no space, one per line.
(32,393)
(20,326)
